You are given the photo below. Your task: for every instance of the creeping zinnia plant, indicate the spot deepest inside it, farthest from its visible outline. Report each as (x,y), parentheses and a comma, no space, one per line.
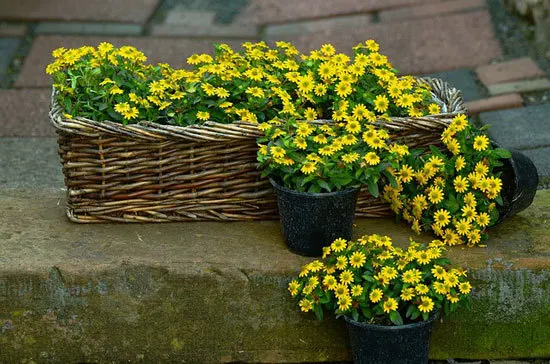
(453,191)
(373,281)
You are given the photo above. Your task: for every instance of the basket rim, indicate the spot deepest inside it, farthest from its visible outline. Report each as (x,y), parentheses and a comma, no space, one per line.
(215,131)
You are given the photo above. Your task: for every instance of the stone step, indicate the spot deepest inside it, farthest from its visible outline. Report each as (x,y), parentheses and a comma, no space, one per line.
(216,292)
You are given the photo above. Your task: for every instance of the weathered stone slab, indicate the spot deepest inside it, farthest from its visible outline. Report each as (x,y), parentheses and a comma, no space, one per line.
(8,46)
(12,30)
(30,162)
(524,128)
(131,11)
(419,46)
(81,28)
(463,80)
(238,31)
(334,24)
(173,51)
(519,86)
(24,113)
(216,292)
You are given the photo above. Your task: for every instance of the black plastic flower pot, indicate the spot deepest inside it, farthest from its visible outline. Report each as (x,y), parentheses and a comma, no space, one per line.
(519,184)
(375,344)
(311,221)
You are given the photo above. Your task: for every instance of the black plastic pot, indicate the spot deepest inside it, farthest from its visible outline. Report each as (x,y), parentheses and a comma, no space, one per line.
(375,344)
(519,184)
(311,221)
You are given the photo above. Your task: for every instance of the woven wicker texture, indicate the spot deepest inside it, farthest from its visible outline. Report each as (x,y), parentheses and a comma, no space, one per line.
(148,172)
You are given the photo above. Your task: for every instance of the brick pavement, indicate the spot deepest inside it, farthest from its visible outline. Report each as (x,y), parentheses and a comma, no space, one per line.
(451,39)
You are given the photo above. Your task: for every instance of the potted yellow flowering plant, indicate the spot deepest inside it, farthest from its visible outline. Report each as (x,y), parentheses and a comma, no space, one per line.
(463,188)
(316,166)
(389,296)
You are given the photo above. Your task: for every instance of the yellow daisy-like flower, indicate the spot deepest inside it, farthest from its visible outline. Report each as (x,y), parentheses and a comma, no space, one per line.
(308,167)
(481,169)
(381,103)
(421,289)
(350,157)
(353,127)
(300,143)
(277,152)
(357,259)
(293,287)
(461,184)
(470,199)
(327,150)
(341,262)
(344,303)
(255,92)
(435,195)
(406,173)
(310,114)
(474,237)
(306,305)
(343,89)
(462,227)
(405,100)
(338,245)
(453,146)
(426,304)
(203,115)
(371,158)
(459,123)
(442,217)
(412,276)
(465,287)
(453,297)
(131,113)
(460,163)
(122,107)
(483,219)
(304,129)
(326,252)
(389,305)
(328,49)
(389,273)
(356,290)
(346,277)
(341,290)
(440,288)
(330,282)
(315,266)
(434,109)
(468,212)
(372,45)
(407,294)
(481,143)
(320,90)
(321,139)
(439,272)
(452,280)
(376,295)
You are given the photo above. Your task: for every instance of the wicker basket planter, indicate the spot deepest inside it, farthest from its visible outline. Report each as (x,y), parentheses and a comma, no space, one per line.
(148,172)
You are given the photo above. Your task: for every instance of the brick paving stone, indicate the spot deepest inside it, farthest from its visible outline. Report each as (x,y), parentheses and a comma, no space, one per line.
(419,46)
(509,101)
(8,46)
(279,11)
(24,113)
(312,26)
(79,28)
(461,79)
(519,86)
(191,17)
(422,11)
(173,51)
(525,128)
(12,30)
(131,11)
(514,70)
(241,31)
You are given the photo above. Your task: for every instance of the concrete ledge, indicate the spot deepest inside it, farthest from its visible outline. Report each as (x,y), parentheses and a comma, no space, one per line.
(216,292)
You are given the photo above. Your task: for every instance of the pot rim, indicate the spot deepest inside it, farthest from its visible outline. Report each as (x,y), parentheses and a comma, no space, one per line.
(415,325)
(312,194)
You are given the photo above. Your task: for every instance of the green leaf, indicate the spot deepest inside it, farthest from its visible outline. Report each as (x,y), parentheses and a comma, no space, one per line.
(425,316)
(451,204)
(324,184)
(395,317)
(318,312)
(355,314)
(499,201)
(503,153)
(415,313)
(410,311)
(373,188)
(367,312)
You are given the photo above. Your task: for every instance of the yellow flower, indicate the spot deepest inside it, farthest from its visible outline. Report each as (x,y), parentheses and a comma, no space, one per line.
(344,303)
(405,174)
(306,84)
(465,287)
(341,262)
(115,90)
(470,199)
(474,237)
(330,282)
(440,288)
(483,219)
(308,167)
(341,290)
(412,276)
(350,157)
(304,129)
(481,169)
(203,115)
(346,277)
(426,304)
(405,100)
(376,295)
(277,152)
(353,127)
(381,103)
(372,45)
(255,91)
(389,273)
(305,305)
(122,107)
(434,109)
(439,272)
(293,287)
(131,113)
(320,90)
(453,146)
(407,294)
(481,143)
(460,184)
(460,163)
(310,114)
(459,123)
(356,290)
(357,259)
(300,143)
(451,280)
(343,89)
(328,49)
(435,195)
(422,288)
(338,245)
(442,217)
(462,226)
(255,74)
(422,257)
(469,213)
(371,159)
(390,305)
(453,298)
